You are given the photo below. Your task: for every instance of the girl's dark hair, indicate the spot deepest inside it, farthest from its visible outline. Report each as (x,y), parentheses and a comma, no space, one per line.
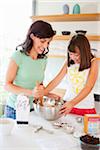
(39,29)
(83,45)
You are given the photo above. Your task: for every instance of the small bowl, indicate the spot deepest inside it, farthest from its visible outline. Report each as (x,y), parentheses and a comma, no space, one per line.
(66,32)
(6,126)
(81,32)
(68,129)
(89,142)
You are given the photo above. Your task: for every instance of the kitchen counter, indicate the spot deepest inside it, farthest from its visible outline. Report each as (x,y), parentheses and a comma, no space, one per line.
(24,138)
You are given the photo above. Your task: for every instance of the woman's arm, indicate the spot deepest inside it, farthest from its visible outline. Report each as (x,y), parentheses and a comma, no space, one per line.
(85,91)
(11,87)
(56,80)
(10,77)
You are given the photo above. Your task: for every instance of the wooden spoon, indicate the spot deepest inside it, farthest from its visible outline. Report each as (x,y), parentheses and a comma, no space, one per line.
(40,98)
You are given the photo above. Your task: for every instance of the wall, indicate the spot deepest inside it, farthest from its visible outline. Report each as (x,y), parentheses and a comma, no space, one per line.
(14,22)
(50,7)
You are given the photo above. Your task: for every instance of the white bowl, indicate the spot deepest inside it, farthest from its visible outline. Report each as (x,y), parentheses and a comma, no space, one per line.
(6,126)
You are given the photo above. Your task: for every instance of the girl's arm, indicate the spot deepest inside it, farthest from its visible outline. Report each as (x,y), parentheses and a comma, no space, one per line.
(85,91)
(56,80)
(11,87)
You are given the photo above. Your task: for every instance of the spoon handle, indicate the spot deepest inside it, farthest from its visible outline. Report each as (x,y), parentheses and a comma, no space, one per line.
(40,98)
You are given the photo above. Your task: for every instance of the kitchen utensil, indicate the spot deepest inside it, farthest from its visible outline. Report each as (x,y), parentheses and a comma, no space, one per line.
(37,128)
(22,109)
(48,111)
(40,98)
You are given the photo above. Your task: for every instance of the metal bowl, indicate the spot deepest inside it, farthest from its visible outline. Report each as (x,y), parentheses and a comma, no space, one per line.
(48,112)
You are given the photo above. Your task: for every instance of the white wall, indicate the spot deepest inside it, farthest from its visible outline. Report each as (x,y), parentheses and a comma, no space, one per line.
(14,22)
(56,6)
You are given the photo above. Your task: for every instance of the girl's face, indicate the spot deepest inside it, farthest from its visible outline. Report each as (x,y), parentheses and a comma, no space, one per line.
(39,45)
(75,56)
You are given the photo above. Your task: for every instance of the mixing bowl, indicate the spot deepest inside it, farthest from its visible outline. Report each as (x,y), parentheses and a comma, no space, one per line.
(48,112)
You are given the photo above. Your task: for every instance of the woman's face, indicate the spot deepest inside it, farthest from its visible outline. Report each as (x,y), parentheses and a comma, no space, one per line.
(39,45)
(75,56)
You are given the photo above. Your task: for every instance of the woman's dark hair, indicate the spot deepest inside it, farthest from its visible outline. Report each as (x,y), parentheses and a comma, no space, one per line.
(39,29)
(81,42)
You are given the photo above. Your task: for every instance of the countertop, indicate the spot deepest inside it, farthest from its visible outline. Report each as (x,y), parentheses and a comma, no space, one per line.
(24,138)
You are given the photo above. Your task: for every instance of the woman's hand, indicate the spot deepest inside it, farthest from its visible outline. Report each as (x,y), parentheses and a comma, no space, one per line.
(66,108)
(53,96)
(38,91)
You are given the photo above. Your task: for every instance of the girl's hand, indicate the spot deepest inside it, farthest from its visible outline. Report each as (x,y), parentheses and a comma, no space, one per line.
(66,108)
(53,96)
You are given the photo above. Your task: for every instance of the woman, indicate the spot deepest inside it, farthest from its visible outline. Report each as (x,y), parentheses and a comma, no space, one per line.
(27,65)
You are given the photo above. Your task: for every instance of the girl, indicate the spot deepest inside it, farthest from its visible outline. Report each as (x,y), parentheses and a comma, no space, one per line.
(81,70)
(27,65)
